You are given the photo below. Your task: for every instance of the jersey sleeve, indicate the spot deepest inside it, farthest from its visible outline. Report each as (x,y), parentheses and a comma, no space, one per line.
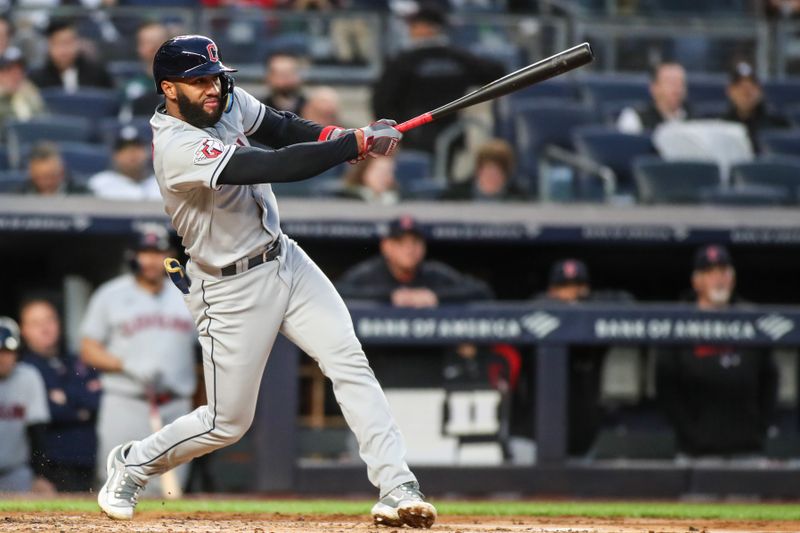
(252,110)
(95,323)
(36,411)
(193,160)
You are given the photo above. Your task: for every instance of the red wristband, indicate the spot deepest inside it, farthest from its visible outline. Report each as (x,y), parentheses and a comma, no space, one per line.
(326,132)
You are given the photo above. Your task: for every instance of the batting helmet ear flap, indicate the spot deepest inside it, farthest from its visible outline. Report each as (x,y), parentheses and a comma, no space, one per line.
(228,84)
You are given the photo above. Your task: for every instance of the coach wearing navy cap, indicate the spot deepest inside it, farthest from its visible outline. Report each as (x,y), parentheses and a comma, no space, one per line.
(402,276)
(720,399)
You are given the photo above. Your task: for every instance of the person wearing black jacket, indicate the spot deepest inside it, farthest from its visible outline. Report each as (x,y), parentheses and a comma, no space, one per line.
(66,67)
(720,399)
(667,101)
(73,392)
(402,277)
(430,73)
(747,105)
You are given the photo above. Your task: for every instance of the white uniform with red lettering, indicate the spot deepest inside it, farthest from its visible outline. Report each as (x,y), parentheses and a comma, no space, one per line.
(154,333)
(239,315)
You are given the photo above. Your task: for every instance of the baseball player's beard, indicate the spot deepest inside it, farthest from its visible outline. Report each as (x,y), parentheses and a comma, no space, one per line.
(194,113)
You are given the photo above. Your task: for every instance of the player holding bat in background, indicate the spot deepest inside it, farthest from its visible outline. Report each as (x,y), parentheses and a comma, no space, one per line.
(249,280)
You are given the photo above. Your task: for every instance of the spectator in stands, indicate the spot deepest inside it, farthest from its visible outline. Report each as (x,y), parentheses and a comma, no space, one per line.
(747,105)
(372,181)
(73,392)
(719,398)
(494,175)
(131,177)
(401,276)
(569,283)
(284,84)
(429,74)
(19,98)
(23,418)
(47,175)
(140,91)
(323,106)
(66,67)
(6,33)
(668,93)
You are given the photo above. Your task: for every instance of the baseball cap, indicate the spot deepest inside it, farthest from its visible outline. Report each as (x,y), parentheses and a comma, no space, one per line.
(430,13)
(711,256)
(153,239)
(402,225)
(742,70)
(569,271)
(126,136)
(9,334)
(12,56)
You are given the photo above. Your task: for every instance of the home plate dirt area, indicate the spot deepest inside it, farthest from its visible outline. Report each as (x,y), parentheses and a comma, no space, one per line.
(211,522)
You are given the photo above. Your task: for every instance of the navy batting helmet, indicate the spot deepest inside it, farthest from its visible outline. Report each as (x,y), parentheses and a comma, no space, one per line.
(9,334)
(190,56)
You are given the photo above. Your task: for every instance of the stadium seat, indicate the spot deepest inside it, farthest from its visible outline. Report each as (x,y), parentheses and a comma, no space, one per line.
(12,180)
(509,55)
(709,109)
(49,128)
(551,90)
(606,88)
(613,149)
(780,173)
(673,182)
(744,195)
(706,88)
(541,123)
(780,142)
(782,93)
(413,165)
(92,103)
(83,160)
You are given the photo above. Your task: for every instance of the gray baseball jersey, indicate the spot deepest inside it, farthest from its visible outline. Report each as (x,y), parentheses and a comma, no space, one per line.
(239,316)
(151,331)
(23,402)
(224,223)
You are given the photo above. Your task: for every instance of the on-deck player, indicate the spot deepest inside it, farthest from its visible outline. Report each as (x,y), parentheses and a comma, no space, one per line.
(250,281)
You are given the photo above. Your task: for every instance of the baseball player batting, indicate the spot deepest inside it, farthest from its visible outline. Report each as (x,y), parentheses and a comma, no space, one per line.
(249,281)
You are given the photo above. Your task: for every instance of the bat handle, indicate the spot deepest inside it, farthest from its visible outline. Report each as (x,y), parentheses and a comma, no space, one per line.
(414,122)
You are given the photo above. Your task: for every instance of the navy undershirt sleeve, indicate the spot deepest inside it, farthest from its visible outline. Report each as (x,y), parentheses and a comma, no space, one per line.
(249,165)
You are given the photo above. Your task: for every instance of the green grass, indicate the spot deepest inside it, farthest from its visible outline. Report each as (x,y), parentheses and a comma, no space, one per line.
(725,511)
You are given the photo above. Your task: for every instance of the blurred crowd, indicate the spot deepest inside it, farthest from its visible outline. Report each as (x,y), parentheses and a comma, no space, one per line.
(76,123)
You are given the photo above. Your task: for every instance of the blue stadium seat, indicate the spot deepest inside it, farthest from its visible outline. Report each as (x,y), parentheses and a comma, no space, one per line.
(780,172)
(615,150)
(709,109)
(793,114)
(780,142)
(503,108)
(782,93)
(606,88)
(610,110)
(541,123)
(83,160)
(49,128)
(12,180)
(674,182)
(4,161)
(412,166)
(90,103)
(706,88)
(509,55)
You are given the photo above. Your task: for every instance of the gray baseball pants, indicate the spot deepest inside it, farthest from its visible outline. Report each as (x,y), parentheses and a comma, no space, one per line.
(238,319)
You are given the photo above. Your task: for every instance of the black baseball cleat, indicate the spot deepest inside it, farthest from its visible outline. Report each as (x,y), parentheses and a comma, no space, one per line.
(404,505)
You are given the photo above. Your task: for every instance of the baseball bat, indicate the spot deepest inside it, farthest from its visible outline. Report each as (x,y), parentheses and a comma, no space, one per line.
(562,62)
(170,487)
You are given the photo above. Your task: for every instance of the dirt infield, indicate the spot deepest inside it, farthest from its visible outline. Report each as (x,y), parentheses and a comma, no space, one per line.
(275,523)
